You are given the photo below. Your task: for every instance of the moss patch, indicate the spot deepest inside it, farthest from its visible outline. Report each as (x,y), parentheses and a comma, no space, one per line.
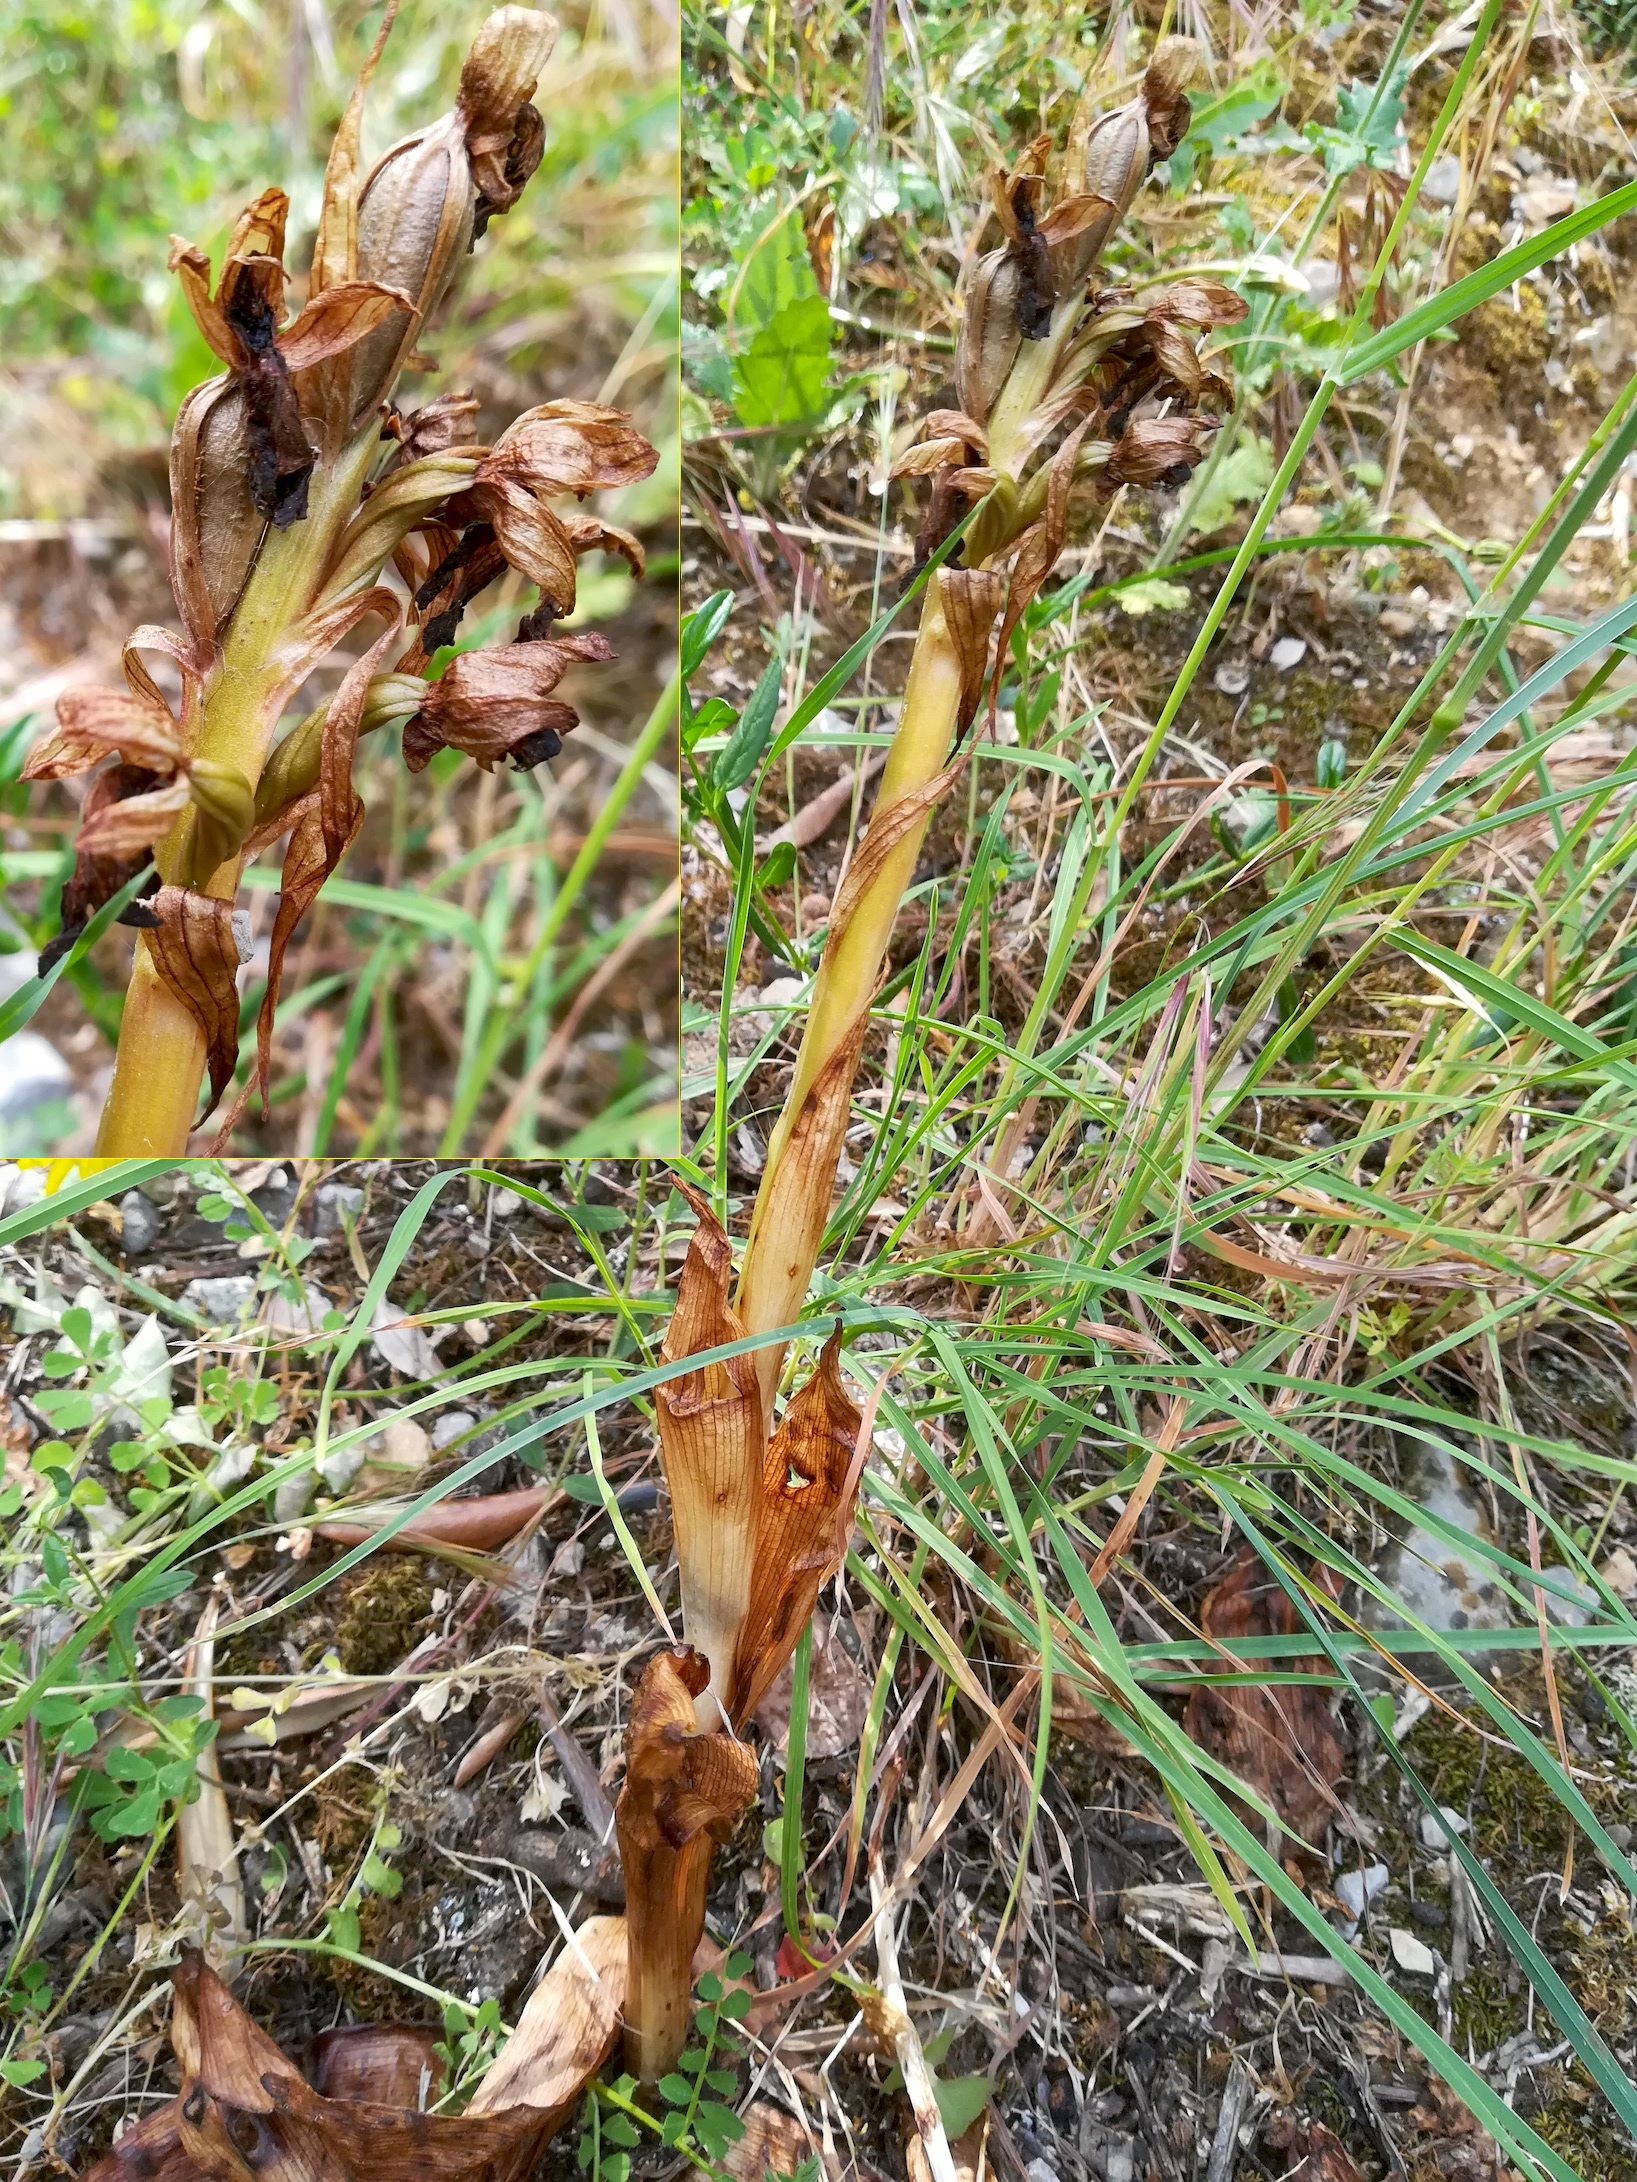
(381,1615)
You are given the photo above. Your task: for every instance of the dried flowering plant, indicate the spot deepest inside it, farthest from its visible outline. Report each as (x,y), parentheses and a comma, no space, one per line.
(294,483)
(1067,386)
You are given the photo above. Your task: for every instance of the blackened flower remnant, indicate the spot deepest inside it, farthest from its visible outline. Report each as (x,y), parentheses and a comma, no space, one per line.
(294,483)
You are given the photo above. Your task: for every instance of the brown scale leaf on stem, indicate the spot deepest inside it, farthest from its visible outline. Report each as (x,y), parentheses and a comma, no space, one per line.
(196,952)
(809,1475)
(711,1438)
(684,1793)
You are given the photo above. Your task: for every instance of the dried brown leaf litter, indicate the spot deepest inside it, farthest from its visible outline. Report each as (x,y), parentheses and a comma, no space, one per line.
(294,483)
(245,2110)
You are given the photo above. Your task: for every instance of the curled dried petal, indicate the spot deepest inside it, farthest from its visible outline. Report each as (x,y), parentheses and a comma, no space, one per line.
(93,722)
(496,704)
(497,81)
(532,536)
(587,534)
(1174,66)
(570,446)
(126,812)
(929,455)
(1157,450)
(440,426)
(1199,302)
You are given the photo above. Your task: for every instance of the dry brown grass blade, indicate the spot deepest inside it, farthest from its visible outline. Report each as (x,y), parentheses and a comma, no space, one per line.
(1153,1470)
(207,1853)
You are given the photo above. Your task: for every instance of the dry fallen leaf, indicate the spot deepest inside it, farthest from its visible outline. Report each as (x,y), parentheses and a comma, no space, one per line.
(1312,2152)
(245,2113)
(1282,1740)
(838,1698)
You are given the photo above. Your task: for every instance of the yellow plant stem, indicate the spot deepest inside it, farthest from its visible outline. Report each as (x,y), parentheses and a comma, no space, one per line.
(793,1202)
(161,1058)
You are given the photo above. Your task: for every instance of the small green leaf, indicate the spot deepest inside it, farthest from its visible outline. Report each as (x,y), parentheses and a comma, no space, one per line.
(675,2088)
(701,629)
(738,758)
(619,2130)
(961,2099)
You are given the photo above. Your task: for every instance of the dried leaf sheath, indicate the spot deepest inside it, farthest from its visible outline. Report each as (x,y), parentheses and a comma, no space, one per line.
(710,1429)
(808,1484)
(684,1792)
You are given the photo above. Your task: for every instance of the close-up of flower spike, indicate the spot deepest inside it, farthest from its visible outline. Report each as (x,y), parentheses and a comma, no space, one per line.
(294,484)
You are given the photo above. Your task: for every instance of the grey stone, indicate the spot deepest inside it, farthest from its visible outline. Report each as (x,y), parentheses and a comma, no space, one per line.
(224,1300)
(336,1204)
(141,1221)
(450,1426)
(1437,1582)
(293,1498)
(282,1316)
(33,1077)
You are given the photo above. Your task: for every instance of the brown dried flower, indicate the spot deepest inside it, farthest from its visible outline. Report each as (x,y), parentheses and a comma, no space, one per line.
(497,704)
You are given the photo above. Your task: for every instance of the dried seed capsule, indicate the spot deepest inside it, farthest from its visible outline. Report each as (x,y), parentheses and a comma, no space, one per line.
(990,335)
(1107,162)
(414,228)
(215,529)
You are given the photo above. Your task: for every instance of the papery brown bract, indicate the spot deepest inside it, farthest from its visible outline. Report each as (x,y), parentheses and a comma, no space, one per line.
(496,704)
(802,1522)
(196,952)
(711,1437)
